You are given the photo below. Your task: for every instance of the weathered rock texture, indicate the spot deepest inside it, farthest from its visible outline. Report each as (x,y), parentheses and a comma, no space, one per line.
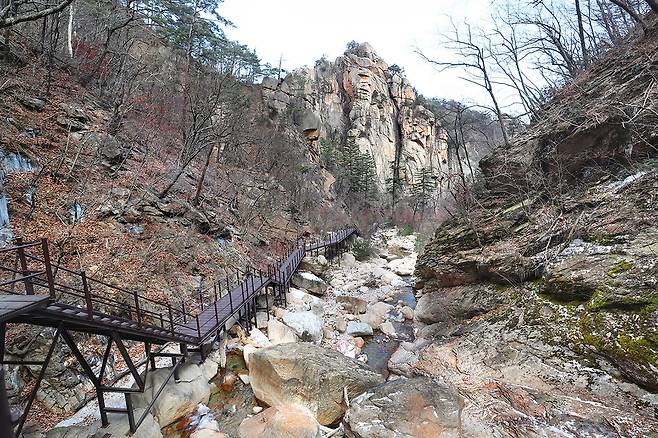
(547,293)
(358,98)
(311,377)
(405,408)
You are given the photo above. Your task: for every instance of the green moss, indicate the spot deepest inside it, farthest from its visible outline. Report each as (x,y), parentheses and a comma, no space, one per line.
(602,239)
(638,349)
(620,267)
(589,326)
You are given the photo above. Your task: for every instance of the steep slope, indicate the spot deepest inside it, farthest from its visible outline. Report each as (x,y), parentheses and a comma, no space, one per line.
(552,281)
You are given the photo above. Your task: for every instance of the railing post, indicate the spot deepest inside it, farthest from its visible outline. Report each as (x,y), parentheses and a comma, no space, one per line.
(184,314)
(139,313)
(48,267)
(85,288)
(230,297)
(171,317)
(29,288)
(201,294)
(198,327)
(216,313)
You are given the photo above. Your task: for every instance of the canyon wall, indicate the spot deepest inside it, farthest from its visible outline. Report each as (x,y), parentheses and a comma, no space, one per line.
(359,98)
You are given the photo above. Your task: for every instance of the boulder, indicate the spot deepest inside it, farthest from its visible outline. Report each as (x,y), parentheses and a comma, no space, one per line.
(387,328)
(348,260)
(310,282)
(118,427)
(417,407)
(317,265)
(404,266)
(178,398)
(455,304)
(279,333)
(307,325)
(258,338)
(309,376)
(247,351)
(403,360)
(298,299)
(283,422)
(376,314)
(32,103)
(107,147)
(356,328)
(352,304)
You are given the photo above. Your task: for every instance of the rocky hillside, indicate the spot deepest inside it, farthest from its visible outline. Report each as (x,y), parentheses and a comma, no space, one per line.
(549,288)
(360,98)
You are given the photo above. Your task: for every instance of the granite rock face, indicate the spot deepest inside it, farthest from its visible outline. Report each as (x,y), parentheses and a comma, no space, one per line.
(309,377)
(360,98)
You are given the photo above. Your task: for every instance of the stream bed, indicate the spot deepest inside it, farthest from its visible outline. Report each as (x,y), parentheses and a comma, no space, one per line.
(380,347)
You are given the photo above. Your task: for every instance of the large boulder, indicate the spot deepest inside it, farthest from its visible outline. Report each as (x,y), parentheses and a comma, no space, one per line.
(310,282)
(306,325)
(178,398)
(283,422)
(309,376)
(455,304)
(376,314)
(279,333)
(107,146)
(418,407)
(298,299)
(317,265)
(404,266)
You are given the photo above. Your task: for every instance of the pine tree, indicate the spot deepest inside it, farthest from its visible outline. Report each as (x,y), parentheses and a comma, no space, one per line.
(394,184)
(423,189)
(360,171)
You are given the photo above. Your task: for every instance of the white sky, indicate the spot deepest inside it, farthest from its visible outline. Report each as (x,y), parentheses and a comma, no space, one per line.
(303,30)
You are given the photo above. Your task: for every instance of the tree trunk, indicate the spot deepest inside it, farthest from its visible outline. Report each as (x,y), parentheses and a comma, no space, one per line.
(629,10)
(70,31)
(199,184)
(581,34)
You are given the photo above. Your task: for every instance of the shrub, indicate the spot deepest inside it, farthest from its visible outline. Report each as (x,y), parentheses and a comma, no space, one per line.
(362,249)
(407,230)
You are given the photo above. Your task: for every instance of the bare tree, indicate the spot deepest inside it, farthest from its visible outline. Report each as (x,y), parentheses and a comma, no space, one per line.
(475,59)
(13,12)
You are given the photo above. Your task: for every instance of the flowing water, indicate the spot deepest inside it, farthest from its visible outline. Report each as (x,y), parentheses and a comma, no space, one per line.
(380,347)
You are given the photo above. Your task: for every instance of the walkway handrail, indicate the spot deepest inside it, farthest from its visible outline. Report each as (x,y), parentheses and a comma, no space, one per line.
(37,274)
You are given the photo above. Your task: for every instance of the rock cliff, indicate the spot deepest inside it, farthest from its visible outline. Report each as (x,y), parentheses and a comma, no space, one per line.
(360,98)
(559,264)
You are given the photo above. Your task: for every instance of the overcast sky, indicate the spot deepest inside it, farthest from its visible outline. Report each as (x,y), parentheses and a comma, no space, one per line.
(303,30)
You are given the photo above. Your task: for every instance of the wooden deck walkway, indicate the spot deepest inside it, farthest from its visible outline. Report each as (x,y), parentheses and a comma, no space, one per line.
(12,306)
(35,291)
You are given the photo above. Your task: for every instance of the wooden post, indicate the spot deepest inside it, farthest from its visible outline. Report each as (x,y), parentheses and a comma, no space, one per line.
(29,288)
(201,294)
(215,305)
(85,288)
(171,317)
(48,266)
(139,313)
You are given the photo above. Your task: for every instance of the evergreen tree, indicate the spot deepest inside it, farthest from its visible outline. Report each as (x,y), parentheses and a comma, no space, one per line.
(196,27)
(359,170)
(425,184)
(394,184)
